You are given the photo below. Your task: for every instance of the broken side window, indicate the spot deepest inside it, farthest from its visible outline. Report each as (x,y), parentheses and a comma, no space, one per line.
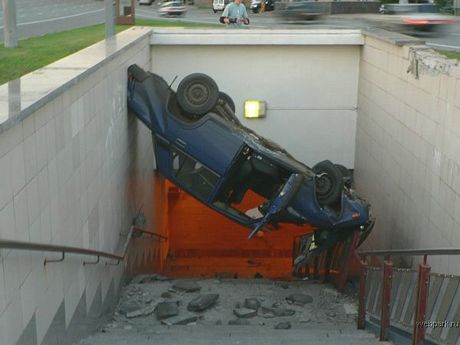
(193,175)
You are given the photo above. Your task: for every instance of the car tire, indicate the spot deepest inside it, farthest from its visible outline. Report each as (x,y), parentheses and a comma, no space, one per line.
(215,11)
(226,99)
(197,94)
(223,100)
(328,183)
(346,175)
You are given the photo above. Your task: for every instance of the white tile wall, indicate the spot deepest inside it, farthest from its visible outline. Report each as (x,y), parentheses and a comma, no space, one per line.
(422,172)
(60,165)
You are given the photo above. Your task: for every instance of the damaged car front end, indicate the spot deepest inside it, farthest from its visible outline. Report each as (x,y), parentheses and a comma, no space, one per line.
(201,146)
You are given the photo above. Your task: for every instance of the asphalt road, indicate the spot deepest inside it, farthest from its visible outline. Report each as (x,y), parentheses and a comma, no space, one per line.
(37,17)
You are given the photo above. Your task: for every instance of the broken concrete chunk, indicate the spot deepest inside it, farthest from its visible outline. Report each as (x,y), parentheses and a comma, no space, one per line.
(252,303)
(203,302)
(283,325)
(166,294)
(280,311)
(166,309)
(331,314)
(244,313)
(239,322)
(186,285)
(180,319)
(148,278)
(350,309)
(146,311)
(283,285)
(299,299)
(128,307)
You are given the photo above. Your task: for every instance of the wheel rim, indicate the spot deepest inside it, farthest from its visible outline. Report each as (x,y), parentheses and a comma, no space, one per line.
(323,184)
(197,94)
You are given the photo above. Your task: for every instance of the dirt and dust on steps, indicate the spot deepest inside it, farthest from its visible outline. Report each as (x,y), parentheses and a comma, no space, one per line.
(155,307)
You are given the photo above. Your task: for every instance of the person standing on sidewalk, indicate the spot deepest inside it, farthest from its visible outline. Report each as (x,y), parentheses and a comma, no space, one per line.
(235,14)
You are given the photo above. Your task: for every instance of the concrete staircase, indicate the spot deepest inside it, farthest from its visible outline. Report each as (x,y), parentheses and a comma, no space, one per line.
(329,318)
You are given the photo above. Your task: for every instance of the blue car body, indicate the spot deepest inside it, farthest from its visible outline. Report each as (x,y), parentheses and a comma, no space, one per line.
(217,161)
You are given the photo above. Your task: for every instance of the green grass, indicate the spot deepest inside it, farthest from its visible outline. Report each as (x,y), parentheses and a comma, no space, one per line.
(36,52)
(450,54)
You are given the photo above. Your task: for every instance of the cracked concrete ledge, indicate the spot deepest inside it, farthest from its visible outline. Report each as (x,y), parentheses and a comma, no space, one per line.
(424,59)
(392,37)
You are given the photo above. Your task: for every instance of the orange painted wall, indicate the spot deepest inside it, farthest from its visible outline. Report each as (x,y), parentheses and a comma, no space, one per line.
(204,243)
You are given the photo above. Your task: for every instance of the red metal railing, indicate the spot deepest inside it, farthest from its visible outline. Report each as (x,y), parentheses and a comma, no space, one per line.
(335,260)
(418,335)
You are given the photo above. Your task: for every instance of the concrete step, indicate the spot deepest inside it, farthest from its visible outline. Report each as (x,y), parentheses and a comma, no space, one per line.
(230,335)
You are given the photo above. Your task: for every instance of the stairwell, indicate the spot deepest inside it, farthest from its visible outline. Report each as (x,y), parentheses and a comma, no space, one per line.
(153,310)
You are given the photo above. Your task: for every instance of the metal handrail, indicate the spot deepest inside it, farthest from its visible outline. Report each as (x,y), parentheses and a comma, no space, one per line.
(424,270)
(411,252)
(154,234)
(33,246)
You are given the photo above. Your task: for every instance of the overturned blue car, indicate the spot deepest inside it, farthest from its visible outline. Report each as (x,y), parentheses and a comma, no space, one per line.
(201,146)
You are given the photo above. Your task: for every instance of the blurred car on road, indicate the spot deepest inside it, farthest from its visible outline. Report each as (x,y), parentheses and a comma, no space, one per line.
(219,5)
(145,2)
(256,5)
(300,10)
(172,8)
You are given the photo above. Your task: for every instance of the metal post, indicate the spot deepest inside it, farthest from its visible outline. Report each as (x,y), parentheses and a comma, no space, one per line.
(362,295)
(109,18)
(418,335)
(386,298)
(348,257)
(9,24)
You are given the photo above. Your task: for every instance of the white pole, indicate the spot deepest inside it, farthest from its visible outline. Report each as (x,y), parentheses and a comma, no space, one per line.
(9,24)
(109,18)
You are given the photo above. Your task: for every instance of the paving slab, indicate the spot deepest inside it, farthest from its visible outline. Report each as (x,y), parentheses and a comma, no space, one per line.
(203,302)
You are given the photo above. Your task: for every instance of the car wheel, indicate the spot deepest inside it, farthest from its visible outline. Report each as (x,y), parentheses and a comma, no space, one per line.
(215,11)
(346,175)
(226,99)
(223,103)
(197,94)
(328,183)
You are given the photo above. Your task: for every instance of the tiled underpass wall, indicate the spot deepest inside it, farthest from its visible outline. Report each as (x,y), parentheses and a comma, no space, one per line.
(74,171)
(408,148)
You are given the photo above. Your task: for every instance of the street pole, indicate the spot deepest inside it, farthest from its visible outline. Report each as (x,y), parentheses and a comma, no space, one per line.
(9,24)
(109,18)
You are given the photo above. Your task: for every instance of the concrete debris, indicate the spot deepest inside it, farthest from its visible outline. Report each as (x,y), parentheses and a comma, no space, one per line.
(331,314)
(268,315)
(305,319)
(330,292)
(244,313)
(283,285)
(202,302)
(128,327)
(299,299)
(146,311)
(252,303)
(166,309)
(128,307)
(166,294)
(280,311)
(180,319)
(148,278)
(283,325)
(239,322)
(350,309)
(186,285)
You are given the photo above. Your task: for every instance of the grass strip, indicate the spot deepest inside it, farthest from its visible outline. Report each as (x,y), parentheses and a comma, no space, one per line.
(36,52)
